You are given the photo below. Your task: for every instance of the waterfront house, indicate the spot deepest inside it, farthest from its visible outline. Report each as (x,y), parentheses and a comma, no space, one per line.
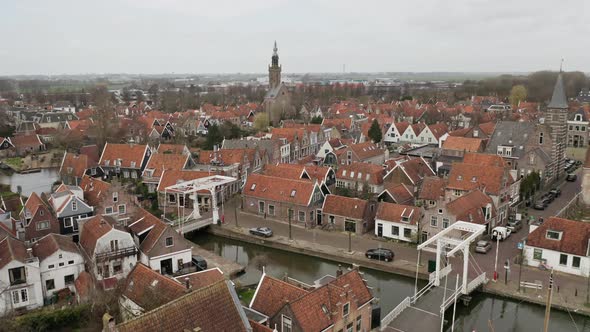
(325,176)
(109,250)
(36,220)
(283,198)
(399,222)
(20,277)
(7,149)
(124,160)
(28,143)
(60,263)
(68,205)
(161,247)
(562,244)
(334,303)
(112,199)
(75,166)
(159,162)
(347,214)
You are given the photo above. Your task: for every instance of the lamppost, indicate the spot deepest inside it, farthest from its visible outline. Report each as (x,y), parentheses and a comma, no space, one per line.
(349,242)
(496,260)
(290,212)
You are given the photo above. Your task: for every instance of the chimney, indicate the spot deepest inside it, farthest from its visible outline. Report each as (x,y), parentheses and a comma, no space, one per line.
(29,252)
(339,271)
(187,283)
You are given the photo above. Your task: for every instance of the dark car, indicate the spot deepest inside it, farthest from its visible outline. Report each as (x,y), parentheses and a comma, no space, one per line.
(261,231)
(514,225)
(571,177)
(380,254)
(199,262)
(555,192)
(539,205)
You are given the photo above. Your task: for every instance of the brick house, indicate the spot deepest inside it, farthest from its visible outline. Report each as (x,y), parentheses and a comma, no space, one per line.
(456,146)
(112,198)
(360,177)
(348,214)
(399,222)
(408,171)
(25,144)
(68,205)
(159,162)
(7,149)
(124,160)
(36,220)
(74,166)
(281,198)
(334,304)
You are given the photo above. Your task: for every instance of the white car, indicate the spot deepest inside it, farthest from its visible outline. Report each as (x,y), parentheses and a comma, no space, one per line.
(502,233)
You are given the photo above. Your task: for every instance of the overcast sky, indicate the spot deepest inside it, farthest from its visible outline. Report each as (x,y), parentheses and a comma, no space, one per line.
(229,36)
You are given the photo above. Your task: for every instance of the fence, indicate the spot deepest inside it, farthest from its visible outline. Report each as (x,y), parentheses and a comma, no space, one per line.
(394,313)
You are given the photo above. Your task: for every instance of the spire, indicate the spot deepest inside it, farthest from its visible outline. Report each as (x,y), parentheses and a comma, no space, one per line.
(275,49)
(558,100)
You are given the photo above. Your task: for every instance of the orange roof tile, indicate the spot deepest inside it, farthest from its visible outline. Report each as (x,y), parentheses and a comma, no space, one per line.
(348,207)
(279,189)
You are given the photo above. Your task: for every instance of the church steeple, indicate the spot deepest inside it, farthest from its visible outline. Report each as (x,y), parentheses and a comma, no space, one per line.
(274,70)
(558,99)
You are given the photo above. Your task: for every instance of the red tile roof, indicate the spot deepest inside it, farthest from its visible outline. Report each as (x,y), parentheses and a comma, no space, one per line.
(463,144)
(488,128)
(348,207)
(272,294)
(432,188)
(51,243)
(396,212)
(468,177)
(471,207)
(93,230)
(574,237)
(279,189)
(484,159)
(94,190)
(127,153)
(22,141)
(84,284)
(12,249)
(171,148)
(227,156)
(74,165)
(150,289)
(159,162)
(201,278)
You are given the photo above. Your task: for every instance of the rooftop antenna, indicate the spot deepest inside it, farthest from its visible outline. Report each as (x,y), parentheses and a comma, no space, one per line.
(561,66)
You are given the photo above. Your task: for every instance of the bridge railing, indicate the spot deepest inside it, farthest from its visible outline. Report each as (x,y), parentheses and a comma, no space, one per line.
(446,270)
(394,313)
(423,291)
(476,282)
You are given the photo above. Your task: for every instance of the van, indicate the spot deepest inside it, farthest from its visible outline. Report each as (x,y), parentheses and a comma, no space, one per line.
(500,233)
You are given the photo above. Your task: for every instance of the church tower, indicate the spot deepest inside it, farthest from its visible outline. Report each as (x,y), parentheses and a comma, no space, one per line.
(556,119)
(274,70)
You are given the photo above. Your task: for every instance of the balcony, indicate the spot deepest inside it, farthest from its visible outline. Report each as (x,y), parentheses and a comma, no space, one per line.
(116,254)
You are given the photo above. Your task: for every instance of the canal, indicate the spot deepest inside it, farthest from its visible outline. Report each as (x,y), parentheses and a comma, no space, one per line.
(34,182)
(484,310)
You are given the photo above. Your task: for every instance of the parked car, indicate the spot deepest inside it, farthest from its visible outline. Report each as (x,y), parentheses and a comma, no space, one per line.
(501,233)
(483,247)
(261,231)
(539,205)
(380,254)
(571,177)
(555,192)
(199,262)
(514,225)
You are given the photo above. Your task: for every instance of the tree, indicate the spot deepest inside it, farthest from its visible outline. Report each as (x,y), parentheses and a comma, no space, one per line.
(261,121)
(214,137)
(375,133)
(517,94)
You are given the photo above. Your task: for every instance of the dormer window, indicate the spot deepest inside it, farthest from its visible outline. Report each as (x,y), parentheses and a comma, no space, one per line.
(474,179)
(133,164)
(107,162)
(293,192)
(554,235)
(253,186)
(578,117)
(74,205)
(460,178)
(115,197)
(352,175)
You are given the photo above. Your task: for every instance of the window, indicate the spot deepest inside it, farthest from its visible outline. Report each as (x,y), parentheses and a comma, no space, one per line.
(169,241)
(68,222)
(60,256)
(440,211)
(20,296)
(49,284)
(108,210)
(553,235)
(93,171)
(41,212)
(445,223)
(349,327)
(51,266)
(457,192)
(563,259)
(407,233)
(350,226)
(42,225)
(293,192)
(537,254)
(359,323)
(576,262)
(433,221)
(540,138)
(114,245)
(115,197)
(69,279)
(117,267)
(74,205)
(17,275)
(271,210)
(180,263)
(261,207)
(395,230)
(287,324)
(345,309)
(301,216)
(15,297)
(253,186)
(61,264)
(171,198)
(133,164)
(70,262)
(122,209)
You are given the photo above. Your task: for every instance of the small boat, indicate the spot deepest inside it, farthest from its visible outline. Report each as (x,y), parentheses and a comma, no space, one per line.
(30,170)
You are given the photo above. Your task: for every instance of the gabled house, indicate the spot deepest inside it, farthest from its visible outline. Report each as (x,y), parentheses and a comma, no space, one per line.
(399,222)
(20,277)
(161,247)
(324,176)
(36,220)
(68,205)
(560,243)
(7,149)
(409,171)
(124,160)
(60,263)
(457,146)
(348,214)
(112,199)
(433,134)
(340,302)
(281,198)
(397,193)
(27,143)
(395,131)
(75,166)
(109,250)
(360,178)
(175,200)
(159,162)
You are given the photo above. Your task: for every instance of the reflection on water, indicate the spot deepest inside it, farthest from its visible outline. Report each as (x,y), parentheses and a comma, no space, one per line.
(33,182)
(483,311)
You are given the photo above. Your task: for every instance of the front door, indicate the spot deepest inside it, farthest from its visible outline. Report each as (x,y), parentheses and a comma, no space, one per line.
(319,217)
(379,230)
(166,266)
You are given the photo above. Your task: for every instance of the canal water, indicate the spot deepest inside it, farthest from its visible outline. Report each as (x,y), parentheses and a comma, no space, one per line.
(32,182)
(484,310)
